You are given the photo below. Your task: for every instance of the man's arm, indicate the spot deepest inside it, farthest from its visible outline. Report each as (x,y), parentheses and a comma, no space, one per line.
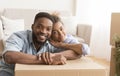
(13,57)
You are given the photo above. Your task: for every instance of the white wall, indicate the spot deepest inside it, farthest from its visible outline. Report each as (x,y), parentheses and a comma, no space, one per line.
(98,14)
(101,21)
(83,12)
(67,5)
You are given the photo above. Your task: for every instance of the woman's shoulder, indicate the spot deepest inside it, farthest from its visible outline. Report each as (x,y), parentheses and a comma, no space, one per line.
(70,39)
(69,36)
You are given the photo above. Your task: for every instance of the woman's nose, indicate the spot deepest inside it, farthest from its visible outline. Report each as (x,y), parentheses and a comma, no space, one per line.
(60,33)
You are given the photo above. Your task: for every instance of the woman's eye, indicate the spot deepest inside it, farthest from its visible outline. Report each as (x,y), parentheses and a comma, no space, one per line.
(54,32)
(61,28)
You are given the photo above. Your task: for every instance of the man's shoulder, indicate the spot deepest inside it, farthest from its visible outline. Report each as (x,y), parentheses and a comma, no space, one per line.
(22,33)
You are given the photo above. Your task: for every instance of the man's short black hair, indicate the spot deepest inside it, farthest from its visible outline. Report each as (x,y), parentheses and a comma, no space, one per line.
(43,14)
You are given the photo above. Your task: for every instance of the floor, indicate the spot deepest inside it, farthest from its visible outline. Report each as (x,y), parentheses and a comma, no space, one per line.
(102,62)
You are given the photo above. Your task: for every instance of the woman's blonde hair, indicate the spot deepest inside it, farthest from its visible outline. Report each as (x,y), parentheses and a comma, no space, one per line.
(56,17)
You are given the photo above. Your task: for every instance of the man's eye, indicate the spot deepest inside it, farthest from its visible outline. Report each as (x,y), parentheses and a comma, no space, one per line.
(49,29)
(38,26)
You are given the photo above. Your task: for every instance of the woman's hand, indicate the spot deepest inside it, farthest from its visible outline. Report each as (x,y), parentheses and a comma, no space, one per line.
(56,43)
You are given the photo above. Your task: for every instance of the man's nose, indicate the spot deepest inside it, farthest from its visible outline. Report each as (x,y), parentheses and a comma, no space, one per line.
(43,31)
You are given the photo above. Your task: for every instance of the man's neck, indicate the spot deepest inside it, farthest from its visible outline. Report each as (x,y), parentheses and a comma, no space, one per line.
(37,46)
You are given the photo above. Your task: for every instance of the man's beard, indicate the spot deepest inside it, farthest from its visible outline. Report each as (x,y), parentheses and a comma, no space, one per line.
(36,41)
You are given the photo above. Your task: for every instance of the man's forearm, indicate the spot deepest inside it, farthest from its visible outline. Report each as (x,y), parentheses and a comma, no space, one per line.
(12,57)
(75,47)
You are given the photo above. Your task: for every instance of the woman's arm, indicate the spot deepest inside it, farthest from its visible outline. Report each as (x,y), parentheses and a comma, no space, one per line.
(69,54)
(77,48)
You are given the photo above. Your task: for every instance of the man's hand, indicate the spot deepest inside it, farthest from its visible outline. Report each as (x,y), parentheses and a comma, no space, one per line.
(52,59)
(46,57)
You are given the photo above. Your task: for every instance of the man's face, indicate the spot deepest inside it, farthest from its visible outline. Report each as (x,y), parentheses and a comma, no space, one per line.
(58,32)
(42,29)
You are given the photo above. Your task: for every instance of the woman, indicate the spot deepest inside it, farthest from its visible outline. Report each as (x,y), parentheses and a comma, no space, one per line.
(63,41)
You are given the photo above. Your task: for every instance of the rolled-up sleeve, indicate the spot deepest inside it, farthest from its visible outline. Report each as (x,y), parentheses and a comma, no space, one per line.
(85,49)
(13,43)
(72,40)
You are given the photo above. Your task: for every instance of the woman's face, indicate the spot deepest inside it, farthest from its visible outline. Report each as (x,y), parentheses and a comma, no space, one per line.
(58,32)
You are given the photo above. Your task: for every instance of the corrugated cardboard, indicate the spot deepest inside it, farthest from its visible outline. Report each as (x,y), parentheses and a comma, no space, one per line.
(80,67)
(115,26)
(115,29)
(112,62)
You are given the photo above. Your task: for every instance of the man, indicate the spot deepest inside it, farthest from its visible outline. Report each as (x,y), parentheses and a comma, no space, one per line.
(32,47)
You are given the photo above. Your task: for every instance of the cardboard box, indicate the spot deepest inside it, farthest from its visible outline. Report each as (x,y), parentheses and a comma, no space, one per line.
(80,67)
(115,27)
(112,62)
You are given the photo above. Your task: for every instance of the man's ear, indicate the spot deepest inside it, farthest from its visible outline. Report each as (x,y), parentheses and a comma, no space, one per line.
(32,26)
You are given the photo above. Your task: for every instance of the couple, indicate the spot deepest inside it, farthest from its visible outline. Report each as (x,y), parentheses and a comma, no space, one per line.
(47,43)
